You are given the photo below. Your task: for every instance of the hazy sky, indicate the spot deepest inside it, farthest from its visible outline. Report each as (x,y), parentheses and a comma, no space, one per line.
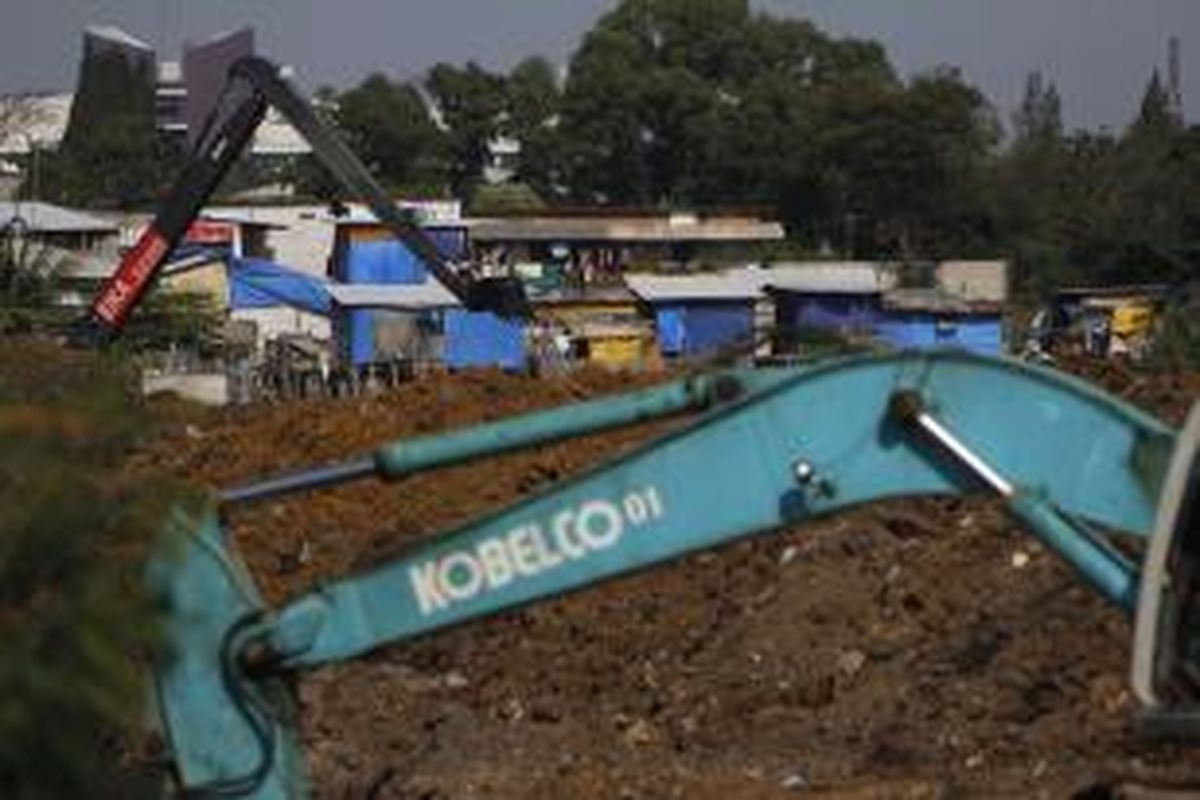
(1100,52)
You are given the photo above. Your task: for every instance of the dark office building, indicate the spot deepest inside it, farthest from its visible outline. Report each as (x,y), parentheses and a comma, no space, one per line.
(205,67)
(116,81)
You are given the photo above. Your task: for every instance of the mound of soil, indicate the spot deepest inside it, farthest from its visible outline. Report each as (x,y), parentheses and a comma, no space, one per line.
(913,649)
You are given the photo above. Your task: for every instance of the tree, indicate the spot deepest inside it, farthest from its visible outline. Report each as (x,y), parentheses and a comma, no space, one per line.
(673,101)
(389,128)
(1154,115)
(533,104)
(601,125)
(1039,118)
(28,283)
(471,102)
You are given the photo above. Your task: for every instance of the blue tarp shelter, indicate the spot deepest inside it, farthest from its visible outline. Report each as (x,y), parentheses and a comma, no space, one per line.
(381,261)
(470,339)
(481,339)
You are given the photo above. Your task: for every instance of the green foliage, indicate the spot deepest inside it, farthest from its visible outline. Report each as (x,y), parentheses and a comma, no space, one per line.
(29,282)
(74,531)
(708,103)
(1177,343)
(388,127)
(167,320)
(1098,208)
(672,102)
(504,199)
(533,103)
(471,101)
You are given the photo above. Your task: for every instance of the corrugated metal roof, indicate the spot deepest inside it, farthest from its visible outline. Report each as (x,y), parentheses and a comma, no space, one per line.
(934,300)
(46,218)
(975,280)
(239,217)
(625,229)
(406,297)
(849,277)
(706,286)
(599,295)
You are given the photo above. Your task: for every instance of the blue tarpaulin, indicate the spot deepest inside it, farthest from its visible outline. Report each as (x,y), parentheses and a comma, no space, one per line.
(839,312)
(471,339)
(258,283)
(481,339)
(669,323)
(700,327)
(390,261)
(381,261)
(978,333)
(385,261)
(710,327)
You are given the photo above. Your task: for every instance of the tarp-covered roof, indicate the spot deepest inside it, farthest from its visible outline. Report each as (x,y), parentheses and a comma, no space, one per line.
(258,283)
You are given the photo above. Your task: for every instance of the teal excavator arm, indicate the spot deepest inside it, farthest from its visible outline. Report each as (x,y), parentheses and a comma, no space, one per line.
(770,449)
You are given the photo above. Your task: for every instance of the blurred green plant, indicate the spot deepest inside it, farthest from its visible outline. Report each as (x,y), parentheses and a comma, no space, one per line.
(75,528)
(1177,344)
(29,279)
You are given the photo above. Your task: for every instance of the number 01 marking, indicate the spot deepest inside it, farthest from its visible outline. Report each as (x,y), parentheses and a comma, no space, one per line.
(641,507)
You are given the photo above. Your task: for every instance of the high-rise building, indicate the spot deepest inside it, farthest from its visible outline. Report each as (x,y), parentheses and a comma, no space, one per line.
(169,100)
(117,78)
(103,40)
(205,69)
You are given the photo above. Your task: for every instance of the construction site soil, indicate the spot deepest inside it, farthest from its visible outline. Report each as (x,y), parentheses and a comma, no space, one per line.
(912,649)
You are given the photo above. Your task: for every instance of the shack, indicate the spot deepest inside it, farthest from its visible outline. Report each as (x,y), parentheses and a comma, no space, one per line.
(596,246)
(923,318)
(1108,320)
(366,252)
(699,314)
(602,325)
(841,298)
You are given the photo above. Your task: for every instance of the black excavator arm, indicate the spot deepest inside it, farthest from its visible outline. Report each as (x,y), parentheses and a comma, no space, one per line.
(254,85)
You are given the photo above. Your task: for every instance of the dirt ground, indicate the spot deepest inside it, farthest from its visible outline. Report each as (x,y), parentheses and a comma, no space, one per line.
(916,649)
